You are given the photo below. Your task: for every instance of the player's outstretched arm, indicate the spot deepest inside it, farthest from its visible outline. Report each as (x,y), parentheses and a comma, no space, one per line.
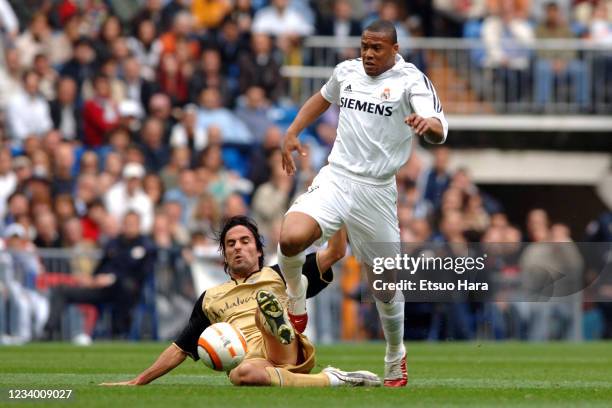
(312,109)
(430,128)
(168,360)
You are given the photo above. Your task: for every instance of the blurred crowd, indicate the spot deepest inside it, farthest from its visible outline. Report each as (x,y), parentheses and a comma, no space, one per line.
(131,129)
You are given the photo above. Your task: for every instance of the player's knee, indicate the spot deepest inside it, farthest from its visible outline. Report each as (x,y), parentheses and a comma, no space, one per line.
(249,374)
(291,244)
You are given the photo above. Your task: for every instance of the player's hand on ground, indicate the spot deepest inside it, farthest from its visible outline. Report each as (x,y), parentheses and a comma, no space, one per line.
(291,144)
(114,384)
(420,124)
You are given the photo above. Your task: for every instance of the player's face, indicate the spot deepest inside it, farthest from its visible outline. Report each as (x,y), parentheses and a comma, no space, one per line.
(241,254)
(377,52)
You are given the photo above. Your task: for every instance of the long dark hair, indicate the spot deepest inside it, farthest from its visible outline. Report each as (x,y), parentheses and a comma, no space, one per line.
(245,222)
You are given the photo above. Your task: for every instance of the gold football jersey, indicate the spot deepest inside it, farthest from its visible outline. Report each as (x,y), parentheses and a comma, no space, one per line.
(234,301)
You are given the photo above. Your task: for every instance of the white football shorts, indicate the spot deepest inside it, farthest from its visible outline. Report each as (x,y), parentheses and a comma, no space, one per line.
(369,212)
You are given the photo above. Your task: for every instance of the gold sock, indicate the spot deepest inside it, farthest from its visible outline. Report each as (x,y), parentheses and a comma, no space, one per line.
(279,377)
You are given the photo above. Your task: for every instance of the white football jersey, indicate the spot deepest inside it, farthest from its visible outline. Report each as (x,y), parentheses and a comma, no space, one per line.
(373,141)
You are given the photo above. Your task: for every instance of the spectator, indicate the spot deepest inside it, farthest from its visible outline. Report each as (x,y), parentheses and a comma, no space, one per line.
(82,64)
(47,234)
(62,46)
(186,194)
(600,30)
(64,112)
(173,210)
(256,113)
(153,187)
(221,182)
(507,36)
(259,67)
(8,20)
(146,48)
(28,112)
(160,107)
(231,43)
(209,75)
(8,181)
(212,112)
(173,283)
(29,309)
(48,76)
(179,161)
(18,206)
(341,25)
(64,159)
(182,30)
(439,178)
(206,215)
(118,279)
(63,208)
(389,10)
(155,151)
(36,39)
(152,11)
(81,262)
(280,19)
(92,220)
(108,68)
(100,114)
(127,195)
(172,79)
(209,14)
(556,66)
(10,76)
(537,224)
(271,199)
(187,134)
(234,205)
(109,33)
(138,89)
(260,170)
(89,163)
(243,13)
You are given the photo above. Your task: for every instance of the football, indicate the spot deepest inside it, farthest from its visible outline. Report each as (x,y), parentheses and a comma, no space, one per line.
(222,346)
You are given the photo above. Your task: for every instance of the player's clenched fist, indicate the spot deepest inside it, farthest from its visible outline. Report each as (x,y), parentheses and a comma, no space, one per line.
(291,144)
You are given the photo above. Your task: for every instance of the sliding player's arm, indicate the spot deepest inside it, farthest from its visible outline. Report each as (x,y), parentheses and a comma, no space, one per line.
(168,360)
(312,109)
(317,267)
(185,345)
(335,250)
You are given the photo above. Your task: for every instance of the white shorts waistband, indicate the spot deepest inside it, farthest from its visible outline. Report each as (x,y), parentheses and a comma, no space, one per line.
(359,178)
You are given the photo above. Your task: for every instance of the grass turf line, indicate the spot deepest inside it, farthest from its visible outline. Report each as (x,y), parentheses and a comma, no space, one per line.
(443,374)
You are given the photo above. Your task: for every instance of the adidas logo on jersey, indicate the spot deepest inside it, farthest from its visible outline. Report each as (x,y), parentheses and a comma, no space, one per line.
(348,88)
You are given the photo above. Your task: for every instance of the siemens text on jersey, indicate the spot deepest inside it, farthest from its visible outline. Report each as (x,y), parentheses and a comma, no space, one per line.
(377,109)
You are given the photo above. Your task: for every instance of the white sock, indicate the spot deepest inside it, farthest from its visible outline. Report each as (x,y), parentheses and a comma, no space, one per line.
(291,267)
(333,380)
(392,319)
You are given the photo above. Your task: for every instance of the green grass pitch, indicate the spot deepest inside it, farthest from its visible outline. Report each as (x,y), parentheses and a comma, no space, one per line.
(444,374)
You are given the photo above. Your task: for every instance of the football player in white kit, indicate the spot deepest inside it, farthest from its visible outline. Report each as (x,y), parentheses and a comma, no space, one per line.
(383,101)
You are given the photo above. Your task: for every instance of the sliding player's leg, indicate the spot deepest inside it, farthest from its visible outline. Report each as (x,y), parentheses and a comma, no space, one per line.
(288,365)
(263,373)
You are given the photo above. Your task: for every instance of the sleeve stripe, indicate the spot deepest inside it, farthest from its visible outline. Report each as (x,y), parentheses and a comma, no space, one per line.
(429,85)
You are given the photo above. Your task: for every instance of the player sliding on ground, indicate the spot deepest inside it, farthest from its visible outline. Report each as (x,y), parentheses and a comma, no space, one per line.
(384,101)
(253,300)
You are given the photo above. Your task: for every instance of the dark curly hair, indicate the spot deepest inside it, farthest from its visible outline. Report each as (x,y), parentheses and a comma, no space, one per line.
(251,226)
